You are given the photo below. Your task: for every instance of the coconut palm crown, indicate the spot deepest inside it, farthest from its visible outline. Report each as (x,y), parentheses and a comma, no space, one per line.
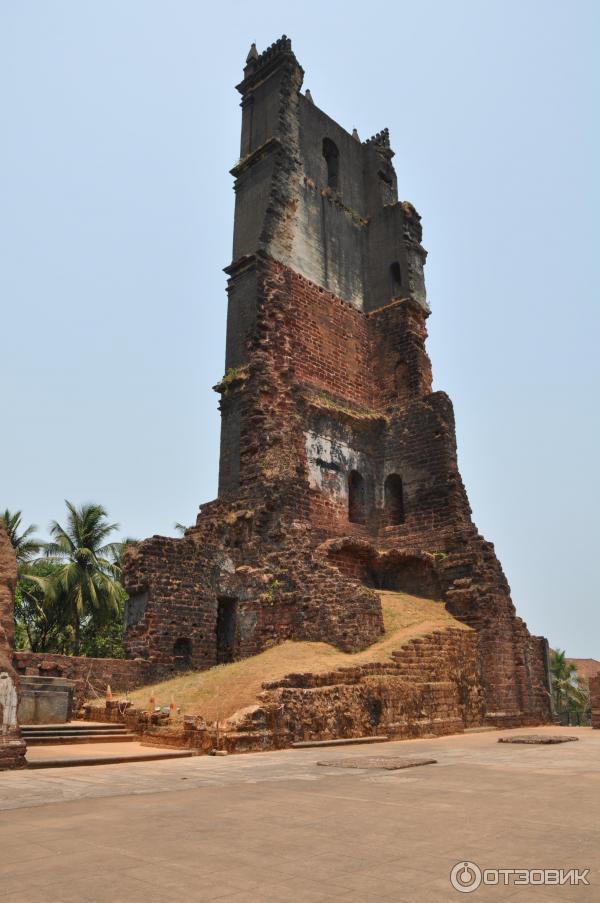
(87,582)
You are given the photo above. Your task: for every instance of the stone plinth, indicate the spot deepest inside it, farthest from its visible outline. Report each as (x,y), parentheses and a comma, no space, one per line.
(46,700)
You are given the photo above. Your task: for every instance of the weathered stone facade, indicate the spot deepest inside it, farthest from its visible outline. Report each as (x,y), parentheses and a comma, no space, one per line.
(338,470)
(12,745)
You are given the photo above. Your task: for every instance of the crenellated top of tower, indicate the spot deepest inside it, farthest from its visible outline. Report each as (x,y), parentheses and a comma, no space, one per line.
(260,65)
(282,45)
(382,138)
(314,196)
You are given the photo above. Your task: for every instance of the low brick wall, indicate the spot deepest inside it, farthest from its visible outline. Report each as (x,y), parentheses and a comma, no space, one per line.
(595,700)
(91,675)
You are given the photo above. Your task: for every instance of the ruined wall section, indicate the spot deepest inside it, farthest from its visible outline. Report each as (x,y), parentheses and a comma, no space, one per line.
(171,601)
(595,701)
(279,590)
(91,675)
(12,745)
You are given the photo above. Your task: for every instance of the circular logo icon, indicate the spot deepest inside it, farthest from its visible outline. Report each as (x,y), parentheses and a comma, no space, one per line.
(465,877)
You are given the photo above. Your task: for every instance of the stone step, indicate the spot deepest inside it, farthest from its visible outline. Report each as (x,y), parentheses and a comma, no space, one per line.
(52,729)
(73,760)
(62,739)
(349,741)
(69,726)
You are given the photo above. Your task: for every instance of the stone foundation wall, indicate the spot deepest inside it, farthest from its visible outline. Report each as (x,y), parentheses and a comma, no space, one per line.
(91,675)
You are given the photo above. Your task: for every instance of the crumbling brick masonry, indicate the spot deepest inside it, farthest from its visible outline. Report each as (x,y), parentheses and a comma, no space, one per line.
(338,469)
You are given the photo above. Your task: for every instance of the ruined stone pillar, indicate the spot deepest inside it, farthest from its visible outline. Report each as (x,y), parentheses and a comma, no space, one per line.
(595,700)
(12,745)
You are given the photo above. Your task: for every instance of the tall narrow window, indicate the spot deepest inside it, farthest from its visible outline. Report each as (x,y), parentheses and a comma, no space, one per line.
(182,653)
(395,279)
(356,498)
(332,158)
(394,500)
(226,629)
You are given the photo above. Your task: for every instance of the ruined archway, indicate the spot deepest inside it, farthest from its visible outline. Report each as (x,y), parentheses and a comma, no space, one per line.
(397,571)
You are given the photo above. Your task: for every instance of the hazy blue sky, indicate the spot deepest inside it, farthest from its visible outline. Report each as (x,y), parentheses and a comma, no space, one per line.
(120,122)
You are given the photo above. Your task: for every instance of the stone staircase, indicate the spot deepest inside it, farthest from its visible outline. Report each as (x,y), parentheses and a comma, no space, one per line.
(75,732)
(430,687)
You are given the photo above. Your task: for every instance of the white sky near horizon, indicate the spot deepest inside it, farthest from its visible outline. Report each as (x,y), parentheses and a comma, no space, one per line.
(120,123)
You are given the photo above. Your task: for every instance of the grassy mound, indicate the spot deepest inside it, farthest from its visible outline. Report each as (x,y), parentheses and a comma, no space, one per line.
(224,689)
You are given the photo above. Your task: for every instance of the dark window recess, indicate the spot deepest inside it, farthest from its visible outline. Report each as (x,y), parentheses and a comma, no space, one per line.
(226,629)
(385,177)
(332,158)
(394,500)
(395,279)
(182,653)
(327,465)
(356,498)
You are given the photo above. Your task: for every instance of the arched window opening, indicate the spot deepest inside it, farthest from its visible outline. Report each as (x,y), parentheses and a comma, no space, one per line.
(395,279)
(394,500)
(356,498)
(182,653)
(332,158)
(226,629)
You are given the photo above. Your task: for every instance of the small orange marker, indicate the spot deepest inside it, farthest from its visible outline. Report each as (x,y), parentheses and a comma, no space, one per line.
(108,692)
(152,702)
(172,706)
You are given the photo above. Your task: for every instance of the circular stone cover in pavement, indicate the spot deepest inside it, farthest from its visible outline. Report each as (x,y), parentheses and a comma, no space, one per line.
(391,763)
(537,739)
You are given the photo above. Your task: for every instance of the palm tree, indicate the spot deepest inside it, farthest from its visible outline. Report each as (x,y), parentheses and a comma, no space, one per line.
(569,694)
(86,584)
(25,544)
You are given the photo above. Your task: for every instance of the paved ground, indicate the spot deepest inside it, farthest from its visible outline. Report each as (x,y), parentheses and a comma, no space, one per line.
(276,827)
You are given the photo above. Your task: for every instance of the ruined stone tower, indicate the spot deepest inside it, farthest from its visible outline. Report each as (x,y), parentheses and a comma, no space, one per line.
(338,470)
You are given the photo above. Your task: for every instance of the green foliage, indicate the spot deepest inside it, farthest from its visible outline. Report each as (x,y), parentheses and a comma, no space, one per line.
(71,600)
(569,694)
(104,640)
(233,374)
(86,583)
(39,625)
(25,544)
(272,589)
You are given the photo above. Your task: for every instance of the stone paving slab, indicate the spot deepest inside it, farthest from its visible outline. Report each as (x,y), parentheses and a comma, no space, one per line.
(387,763)
(538,739)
